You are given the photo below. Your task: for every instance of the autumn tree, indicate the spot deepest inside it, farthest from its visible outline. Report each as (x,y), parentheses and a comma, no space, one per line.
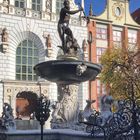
(121,72)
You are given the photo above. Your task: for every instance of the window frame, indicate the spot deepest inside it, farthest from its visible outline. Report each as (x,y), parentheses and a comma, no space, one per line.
(24,68)
(36,4)
(101,33)
(118,38)
(19,3)
(102,50)
(59,5)
(131,38)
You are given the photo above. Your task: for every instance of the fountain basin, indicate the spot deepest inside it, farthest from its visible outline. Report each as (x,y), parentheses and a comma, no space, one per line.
(64,71)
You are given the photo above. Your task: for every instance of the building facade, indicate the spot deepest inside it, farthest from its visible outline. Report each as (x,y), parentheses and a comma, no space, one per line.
(114,27)
(29,36)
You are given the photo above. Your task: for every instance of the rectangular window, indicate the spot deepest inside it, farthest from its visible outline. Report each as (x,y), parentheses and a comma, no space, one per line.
(59,5)
(36,5)
(18,51)
(18,60)
(16,3)
(100,51)
(101,33)
(24,60)
(33,7)
(18,77)
(23,77)
(30,69)
(30,77)
(20,3)
(132,38)
(117,36)
(23,69)
(29,60)
(24,51)
(98,87)
(18,69)
(29,51)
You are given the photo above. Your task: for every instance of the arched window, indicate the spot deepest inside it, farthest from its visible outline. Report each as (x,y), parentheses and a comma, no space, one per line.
(20,3)
(36,5)
(26,59)
(59,5)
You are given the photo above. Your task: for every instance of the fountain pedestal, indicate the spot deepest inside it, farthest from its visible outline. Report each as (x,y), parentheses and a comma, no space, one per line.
(66,112)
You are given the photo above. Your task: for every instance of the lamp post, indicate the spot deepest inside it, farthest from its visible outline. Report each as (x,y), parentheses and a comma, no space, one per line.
(90,40)
(39,84)
(42,111)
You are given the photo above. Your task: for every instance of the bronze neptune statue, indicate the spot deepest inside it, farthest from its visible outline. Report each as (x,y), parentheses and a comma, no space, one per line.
(64,31)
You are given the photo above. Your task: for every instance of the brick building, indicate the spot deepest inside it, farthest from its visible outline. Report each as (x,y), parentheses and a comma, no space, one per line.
(25,25)
(115,26)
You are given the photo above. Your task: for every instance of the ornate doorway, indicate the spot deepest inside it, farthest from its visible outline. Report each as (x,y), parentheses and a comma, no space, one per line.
(25,103)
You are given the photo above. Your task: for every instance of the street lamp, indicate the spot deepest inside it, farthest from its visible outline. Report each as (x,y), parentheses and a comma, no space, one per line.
(90,40)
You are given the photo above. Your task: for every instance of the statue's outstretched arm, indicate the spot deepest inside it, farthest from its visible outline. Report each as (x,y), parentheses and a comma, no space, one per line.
(72,12)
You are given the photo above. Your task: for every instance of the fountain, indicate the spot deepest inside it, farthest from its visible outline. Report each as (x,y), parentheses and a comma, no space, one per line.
(68,71)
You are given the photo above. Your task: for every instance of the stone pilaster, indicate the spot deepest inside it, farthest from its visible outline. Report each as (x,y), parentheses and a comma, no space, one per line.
(53,13)
(1,96)
(138,39)
(110,36)
(92,54)
(11,7)
(125,38)
(28,11)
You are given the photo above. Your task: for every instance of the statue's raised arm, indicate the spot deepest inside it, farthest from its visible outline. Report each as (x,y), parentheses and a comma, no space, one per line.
(63,25)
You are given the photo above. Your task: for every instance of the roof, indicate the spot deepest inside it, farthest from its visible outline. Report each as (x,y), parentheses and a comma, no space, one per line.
(136,15)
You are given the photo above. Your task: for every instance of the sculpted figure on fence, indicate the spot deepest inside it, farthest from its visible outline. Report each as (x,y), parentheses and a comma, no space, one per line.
(106,113)
(88,110)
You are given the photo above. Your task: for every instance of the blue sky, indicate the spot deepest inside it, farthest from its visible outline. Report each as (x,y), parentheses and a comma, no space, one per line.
(99,5)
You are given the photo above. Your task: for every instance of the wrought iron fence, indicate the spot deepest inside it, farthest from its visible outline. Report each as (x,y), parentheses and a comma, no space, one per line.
(123,125)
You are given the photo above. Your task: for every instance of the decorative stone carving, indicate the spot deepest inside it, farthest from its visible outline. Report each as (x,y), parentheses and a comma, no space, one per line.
(48,6)
(85,49)
(48,41)
(4,40)
(36,14)
(84,46)
(65,112)
(48,44)
(4,35)
(5,6)
(7,120)
(5,2)
(80,69)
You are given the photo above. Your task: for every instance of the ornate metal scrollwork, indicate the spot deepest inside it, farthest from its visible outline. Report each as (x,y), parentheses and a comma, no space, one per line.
(124,124)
